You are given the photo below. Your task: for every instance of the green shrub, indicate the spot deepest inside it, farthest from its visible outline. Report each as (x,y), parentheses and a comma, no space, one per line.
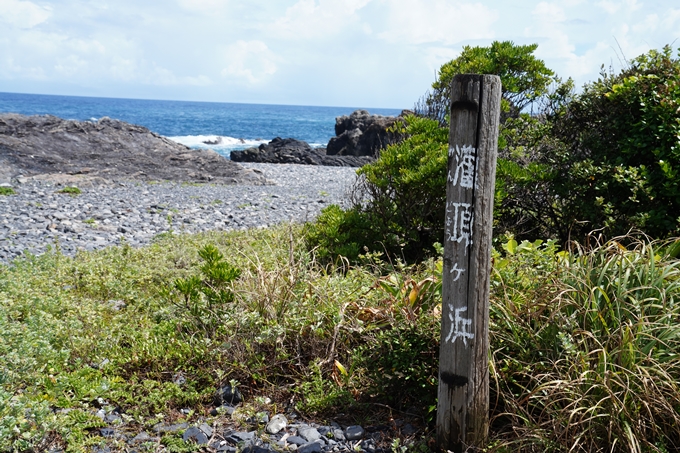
(398,203)
(205,297)
(4,190)
(525,79)
(337,232)
(623,162)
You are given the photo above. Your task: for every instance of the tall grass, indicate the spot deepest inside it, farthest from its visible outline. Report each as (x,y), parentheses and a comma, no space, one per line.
(585,349)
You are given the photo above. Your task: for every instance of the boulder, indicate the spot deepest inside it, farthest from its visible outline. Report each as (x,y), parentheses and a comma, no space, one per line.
(50,148)
(363,134)
(292,151)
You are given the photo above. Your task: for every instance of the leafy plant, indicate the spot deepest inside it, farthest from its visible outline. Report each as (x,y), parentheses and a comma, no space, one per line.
(524,78)
(4,190)
(205,298)
(621,166)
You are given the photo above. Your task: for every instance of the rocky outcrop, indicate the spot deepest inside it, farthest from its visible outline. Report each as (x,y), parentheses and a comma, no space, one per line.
(86,153)
(362,134)
(292,151)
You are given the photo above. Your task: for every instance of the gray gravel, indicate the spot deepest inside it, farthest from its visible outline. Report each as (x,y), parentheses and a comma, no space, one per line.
(135,212)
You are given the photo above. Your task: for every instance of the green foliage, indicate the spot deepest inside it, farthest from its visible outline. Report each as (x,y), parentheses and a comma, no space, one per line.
(398,205)
(205,298)
(7,191)
(399,201)
(623,151)
(402,363)
(70,190)
(524,78)
(24,422)
(584,347)
(337,232)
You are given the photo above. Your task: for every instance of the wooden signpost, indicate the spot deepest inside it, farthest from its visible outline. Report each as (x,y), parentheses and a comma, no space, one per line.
(463,405)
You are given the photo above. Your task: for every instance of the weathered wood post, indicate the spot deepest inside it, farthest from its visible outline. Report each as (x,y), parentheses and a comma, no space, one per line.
(463,405)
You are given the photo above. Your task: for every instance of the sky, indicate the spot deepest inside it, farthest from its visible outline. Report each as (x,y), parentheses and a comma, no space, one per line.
(349,53)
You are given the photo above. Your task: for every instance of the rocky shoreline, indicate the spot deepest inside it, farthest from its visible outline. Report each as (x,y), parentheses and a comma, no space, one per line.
(85,153)
(134,212)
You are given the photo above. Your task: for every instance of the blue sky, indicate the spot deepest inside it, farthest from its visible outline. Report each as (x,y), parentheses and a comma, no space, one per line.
(371,53)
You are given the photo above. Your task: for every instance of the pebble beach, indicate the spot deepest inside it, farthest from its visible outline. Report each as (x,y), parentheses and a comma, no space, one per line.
(38,216)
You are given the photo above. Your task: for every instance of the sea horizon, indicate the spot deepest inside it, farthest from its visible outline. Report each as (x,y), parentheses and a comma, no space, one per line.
(192,123)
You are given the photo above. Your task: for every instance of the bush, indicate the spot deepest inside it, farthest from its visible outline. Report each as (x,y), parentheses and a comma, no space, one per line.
(337,232)
(398,202)
(623,157)
(524,78)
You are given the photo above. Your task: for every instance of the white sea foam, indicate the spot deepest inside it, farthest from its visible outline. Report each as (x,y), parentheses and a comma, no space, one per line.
(221,144)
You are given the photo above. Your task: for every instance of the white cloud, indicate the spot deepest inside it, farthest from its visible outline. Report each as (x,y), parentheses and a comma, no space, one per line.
(549,12)
(23,14)
(308,19)
(649,24)
(439,22)
(251,61)
(611,7)
(671,19)
(204,6)
(382,52)
(165,77)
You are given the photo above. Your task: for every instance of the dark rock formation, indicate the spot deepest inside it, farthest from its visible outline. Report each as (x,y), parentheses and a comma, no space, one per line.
(292,151)
(362,134)
(86,153)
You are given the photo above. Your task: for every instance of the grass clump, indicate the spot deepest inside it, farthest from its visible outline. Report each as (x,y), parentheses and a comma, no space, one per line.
(584,348)
(4,190)
(70,190)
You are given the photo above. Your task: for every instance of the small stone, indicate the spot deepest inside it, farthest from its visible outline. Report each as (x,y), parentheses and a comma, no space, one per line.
(240,436)
(113,418)
(229,395)
(338,434)
(107,432)
(408,430)
(312,447)
(309,433)
(256,449)
(354,432)
(161,428)
(195,435)
(368,446)
(296,440)
(276,424)
(142,437)
(206,429)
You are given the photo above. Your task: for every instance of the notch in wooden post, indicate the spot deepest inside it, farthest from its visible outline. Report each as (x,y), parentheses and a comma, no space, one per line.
(463,404)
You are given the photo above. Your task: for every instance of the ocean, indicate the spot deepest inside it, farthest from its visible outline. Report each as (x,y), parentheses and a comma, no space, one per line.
(235,126)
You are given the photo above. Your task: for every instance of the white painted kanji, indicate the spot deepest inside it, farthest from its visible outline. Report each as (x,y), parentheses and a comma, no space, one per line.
(464,165)
(460,327)
(458,271)
(459,223)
